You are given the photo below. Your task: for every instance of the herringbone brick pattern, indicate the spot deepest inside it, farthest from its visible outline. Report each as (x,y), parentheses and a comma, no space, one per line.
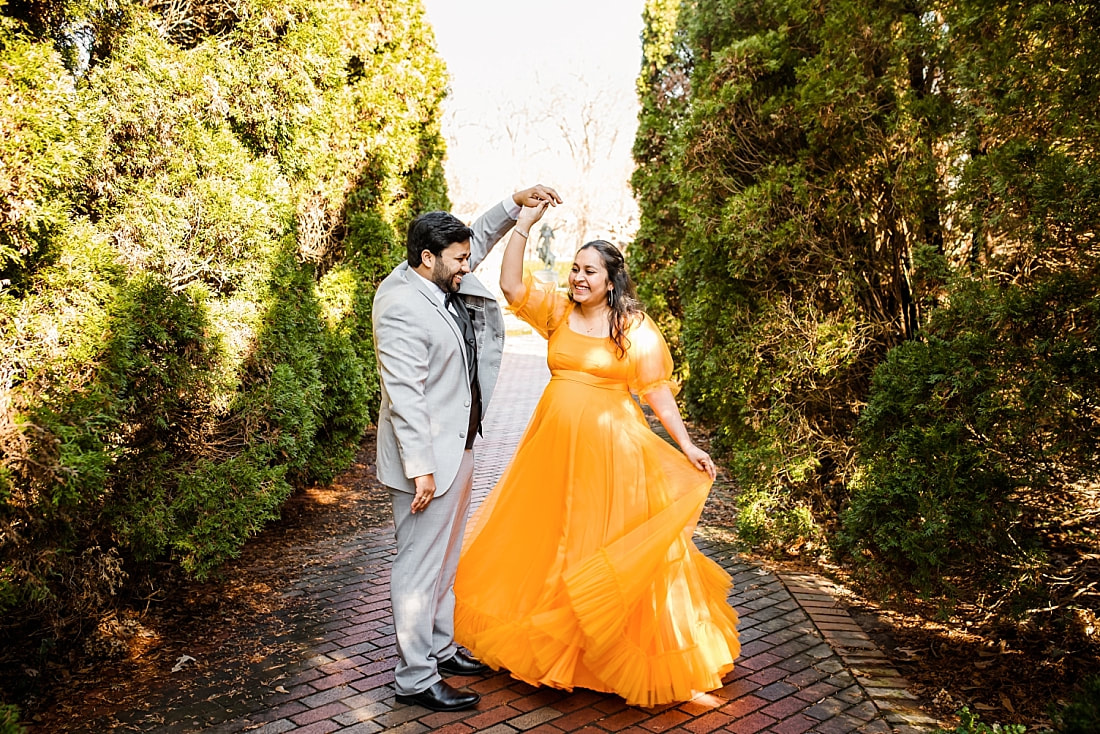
(805,666)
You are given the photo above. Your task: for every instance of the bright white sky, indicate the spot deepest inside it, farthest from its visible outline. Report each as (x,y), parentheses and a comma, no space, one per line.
(518,73)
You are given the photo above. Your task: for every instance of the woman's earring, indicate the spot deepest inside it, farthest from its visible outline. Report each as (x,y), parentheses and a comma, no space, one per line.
(611,298)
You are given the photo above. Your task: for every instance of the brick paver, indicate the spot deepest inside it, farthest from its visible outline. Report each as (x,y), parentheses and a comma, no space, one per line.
(806,667)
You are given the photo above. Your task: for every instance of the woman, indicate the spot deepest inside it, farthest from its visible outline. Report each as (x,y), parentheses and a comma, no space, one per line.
(579,569)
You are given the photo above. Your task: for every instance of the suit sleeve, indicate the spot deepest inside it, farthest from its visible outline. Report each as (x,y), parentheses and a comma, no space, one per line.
(402,348)
(488,229)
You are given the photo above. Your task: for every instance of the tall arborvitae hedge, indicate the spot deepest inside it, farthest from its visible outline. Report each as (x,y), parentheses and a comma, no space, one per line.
(980,442)
(795,192)
(877,225)
(197,200)
(663,87)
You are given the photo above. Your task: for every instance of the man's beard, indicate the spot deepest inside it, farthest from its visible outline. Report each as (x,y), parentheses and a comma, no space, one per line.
(445,280)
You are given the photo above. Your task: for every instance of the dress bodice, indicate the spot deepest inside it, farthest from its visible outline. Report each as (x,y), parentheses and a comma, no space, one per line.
(646,365)
(569,351)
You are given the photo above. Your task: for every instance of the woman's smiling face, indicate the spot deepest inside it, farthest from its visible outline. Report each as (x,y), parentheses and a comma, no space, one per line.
(588,280)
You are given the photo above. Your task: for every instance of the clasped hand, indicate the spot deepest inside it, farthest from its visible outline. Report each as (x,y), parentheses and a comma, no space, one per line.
(534,201)
(536,195)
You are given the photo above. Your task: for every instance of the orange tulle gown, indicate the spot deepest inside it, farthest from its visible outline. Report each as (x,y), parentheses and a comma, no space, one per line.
(578,570)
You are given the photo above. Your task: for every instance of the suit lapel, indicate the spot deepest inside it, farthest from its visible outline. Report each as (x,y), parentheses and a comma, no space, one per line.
(471,286)
(425,291)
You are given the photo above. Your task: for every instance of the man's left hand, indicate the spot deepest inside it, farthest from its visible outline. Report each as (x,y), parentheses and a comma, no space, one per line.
(536,195)
(425,491)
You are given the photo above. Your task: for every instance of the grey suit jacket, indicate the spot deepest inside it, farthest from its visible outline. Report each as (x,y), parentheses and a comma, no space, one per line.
(426,396)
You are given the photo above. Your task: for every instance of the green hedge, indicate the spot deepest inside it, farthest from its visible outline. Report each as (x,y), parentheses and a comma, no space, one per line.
(9,720)
(191,229)
(872,228)
(653,254)
(780,203)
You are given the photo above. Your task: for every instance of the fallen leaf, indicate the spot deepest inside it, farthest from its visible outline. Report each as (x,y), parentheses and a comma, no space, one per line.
(280,689)
(1007,703)
(183,660)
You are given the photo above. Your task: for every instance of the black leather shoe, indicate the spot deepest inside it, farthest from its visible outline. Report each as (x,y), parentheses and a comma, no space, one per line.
(441,697)
(462,664)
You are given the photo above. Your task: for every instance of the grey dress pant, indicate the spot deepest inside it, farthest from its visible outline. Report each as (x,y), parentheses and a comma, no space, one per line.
(422,579)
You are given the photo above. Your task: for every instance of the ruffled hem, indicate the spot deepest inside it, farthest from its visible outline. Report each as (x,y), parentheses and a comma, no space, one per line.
(580,644)
(641,677)
(537,654)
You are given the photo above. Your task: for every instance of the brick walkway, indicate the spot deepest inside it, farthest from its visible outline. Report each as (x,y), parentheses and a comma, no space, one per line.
(805,666)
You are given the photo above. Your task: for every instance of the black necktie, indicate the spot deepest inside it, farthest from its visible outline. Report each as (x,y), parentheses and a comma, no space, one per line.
(457,308)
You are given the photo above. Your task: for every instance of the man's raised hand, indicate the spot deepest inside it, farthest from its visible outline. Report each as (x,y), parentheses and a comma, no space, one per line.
(536,195)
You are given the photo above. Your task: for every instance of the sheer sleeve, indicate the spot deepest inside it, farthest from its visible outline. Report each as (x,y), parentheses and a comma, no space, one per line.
(541,306)
(650,359)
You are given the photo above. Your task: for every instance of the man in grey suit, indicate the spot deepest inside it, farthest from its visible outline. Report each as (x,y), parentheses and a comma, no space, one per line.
(438,337)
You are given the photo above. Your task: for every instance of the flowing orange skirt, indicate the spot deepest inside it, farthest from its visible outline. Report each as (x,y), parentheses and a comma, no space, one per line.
(579,570)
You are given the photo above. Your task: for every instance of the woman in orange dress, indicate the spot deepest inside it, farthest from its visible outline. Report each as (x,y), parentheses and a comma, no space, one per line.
(579,569)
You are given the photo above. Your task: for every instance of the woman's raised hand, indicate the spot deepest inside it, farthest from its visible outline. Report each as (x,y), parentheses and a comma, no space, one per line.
(533,203)
(528,215)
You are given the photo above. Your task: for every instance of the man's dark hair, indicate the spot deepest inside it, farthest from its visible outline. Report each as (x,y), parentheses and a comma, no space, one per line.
(434,232)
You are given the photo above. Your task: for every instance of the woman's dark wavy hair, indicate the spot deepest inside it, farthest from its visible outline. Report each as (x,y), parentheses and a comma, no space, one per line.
(625,306)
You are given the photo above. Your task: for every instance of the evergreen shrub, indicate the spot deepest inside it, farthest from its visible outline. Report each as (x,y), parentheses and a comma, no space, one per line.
(195,209)
(1082,714)
(871,229)
(9,720)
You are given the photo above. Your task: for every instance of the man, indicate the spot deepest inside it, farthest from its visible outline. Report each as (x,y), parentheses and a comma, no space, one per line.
(438,337)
